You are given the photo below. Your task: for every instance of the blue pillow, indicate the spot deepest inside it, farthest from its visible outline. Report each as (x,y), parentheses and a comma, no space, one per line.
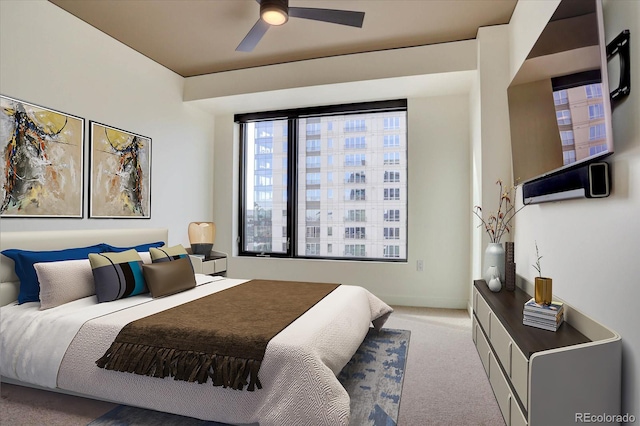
(141,247)
(24,260)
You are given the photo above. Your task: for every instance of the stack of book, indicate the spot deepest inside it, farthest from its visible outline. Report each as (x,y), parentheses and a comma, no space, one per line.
(547,317)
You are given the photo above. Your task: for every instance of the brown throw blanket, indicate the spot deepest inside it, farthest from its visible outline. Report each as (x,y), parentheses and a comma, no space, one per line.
(223,335)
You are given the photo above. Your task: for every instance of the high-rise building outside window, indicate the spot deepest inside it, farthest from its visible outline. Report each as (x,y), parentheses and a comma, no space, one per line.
(337,203)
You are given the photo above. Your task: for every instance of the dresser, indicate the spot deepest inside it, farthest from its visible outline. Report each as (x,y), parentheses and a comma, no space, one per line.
(543,378)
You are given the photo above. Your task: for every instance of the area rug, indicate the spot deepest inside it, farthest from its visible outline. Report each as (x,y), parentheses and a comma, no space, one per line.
(373,378)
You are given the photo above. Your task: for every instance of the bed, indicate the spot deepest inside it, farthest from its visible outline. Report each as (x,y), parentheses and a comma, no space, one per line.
(56,348)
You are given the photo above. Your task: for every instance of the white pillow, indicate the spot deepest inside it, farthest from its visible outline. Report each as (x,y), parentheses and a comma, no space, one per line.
(64,281)
(145,256)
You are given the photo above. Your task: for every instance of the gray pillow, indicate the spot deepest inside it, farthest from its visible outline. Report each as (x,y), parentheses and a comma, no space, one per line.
(166,278)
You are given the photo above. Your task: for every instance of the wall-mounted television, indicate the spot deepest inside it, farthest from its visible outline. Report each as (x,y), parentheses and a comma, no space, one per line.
(559,101)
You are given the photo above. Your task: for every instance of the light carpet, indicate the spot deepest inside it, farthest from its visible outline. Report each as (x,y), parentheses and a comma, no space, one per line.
(373,379)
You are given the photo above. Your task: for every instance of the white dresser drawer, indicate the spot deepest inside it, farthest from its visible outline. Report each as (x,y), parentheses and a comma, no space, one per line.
(501,342)
(500,388)
(484,315)
(483,348)
(520,374)
(516,418)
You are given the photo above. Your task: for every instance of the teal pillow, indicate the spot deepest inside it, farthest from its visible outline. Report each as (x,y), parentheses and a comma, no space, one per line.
(25,259)
(117,275)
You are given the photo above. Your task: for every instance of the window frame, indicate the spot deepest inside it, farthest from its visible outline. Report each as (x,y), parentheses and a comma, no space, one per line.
(292,151)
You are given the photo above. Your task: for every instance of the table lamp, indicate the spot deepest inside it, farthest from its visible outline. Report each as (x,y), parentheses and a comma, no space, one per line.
(201,237)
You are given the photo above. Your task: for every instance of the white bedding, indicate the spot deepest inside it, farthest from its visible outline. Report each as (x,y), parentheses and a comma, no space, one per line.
(298,372)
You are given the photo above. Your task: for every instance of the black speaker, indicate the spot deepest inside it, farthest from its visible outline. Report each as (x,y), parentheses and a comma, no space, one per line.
(598,180)
(591,181)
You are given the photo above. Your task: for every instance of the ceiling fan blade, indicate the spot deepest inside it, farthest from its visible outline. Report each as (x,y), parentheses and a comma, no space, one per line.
(342,17)
(253,37)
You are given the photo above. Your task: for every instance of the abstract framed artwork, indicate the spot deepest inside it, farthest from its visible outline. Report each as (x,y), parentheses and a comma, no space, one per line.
(42,170)
(120,184)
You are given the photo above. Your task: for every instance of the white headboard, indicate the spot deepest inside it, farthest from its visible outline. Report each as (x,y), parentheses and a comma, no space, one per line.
(56,240)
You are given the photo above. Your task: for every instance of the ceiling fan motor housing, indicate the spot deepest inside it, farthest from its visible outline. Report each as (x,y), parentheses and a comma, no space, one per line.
(278,6)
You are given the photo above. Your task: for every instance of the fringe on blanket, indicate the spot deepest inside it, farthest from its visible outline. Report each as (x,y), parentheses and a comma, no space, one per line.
(189,366)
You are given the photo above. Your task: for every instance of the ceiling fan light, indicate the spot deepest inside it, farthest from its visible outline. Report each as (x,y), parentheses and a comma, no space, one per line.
(274,16)
(274,12)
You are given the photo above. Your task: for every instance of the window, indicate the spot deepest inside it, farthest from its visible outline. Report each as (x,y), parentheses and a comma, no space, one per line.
(391,123)
(313,128)
(355,143)
(560,97)
(563,116)
(566,137)
(355,160)
(355,126)
(391,176)
(391,194)
(313,178)
(355,194)
(356,216)
(313,215)
(313,232)
(355,177)
(593,150)
(593,90)
(357,232)
(392,215)
(313,195)
(391,141)
(311,182)
(596,111)
(313,162)
(391,233)
(355,250)
(313,145)
(312,249)
(569,157)
(597,132)
(391,251)
(391,158)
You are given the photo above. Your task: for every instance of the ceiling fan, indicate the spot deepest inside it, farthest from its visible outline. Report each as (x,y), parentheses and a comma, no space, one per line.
(277,12)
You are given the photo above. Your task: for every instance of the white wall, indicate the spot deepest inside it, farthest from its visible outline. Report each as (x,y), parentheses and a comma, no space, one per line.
(591,247)
(50,58)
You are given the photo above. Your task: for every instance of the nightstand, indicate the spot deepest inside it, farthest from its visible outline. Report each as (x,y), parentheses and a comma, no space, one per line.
(213,264)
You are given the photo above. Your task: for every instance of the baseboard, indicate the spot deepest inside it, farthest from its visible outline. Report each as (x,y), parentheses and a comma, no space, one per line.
(427,302)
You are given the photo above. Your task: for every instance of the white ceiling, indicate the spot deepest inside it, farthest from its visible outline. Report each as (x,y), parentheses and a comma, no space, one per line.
(195,37)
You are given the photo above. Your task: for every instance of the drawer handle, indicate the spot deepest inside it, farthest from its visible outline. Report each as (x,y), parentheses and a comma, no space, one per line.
(510,357)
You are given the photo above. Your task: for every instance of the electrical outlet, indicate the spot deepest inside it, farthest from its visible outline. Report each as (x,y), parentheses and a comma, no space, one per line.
(420,265)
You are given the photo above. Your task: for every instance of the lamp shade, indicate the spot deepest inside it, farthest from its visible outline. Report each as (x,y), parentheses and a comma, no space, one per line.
(201,237)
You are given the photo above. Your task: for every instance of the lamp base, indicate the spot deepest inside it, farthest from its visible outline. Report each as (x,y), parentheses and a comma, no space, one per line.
(204,249)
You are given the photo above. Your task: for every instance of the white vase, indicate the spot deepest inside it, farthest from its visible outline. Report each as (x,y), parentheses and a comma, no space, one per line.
(493,256)
(494,279)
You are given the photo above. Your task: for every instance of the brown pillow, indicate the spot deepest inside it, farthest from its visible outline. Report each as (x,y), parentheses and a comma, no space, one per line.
(166,278)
